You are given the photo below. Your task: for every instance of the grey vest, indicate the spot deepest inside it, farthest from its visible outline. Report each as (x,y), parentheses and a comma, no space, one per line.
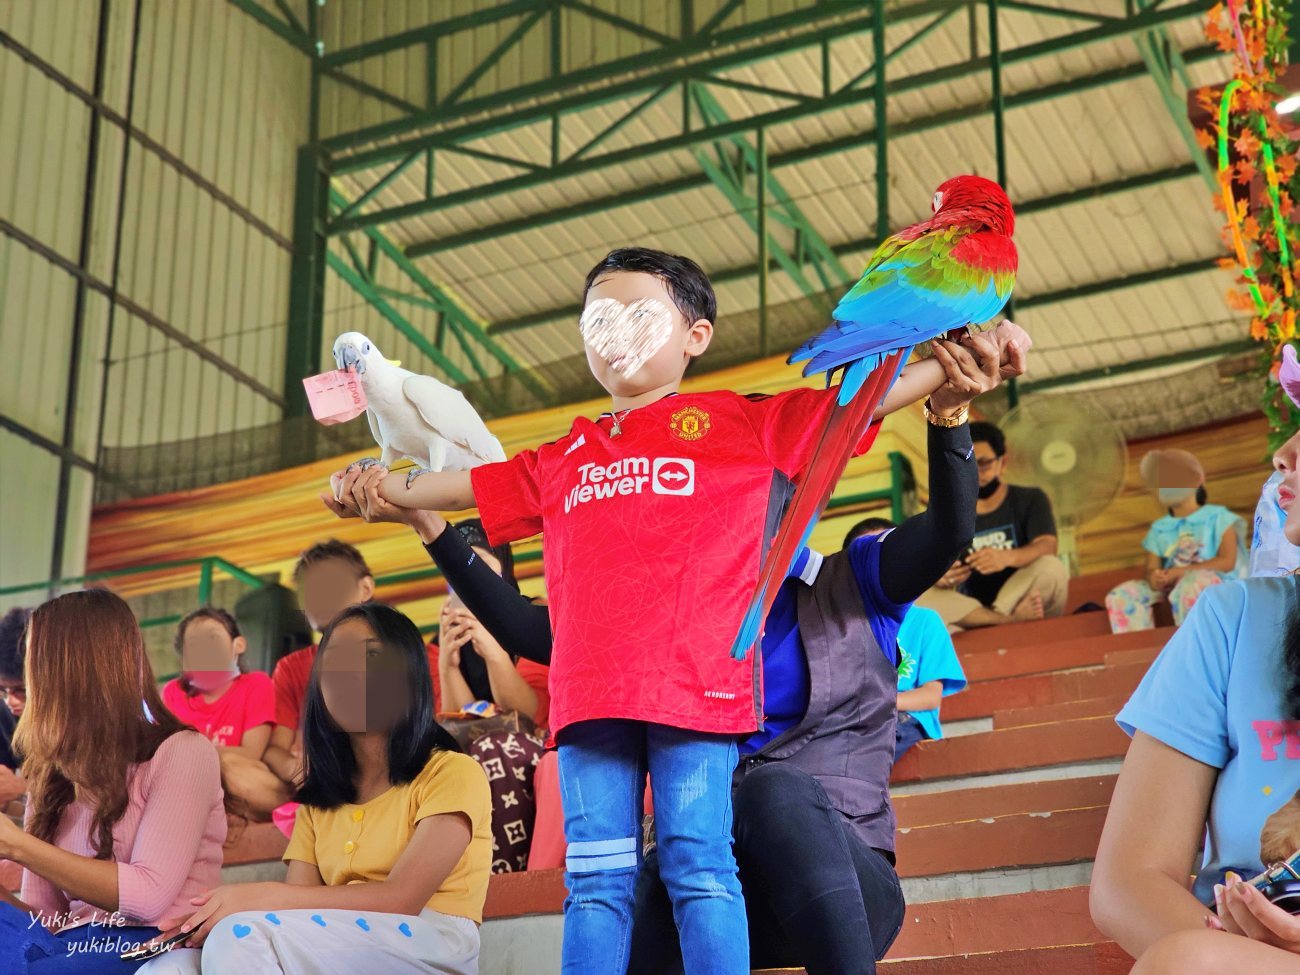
(846,739)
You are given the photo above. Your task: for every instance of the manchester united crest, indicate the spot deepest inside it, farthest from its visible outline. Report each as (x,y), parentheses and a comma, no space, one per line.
(691,423)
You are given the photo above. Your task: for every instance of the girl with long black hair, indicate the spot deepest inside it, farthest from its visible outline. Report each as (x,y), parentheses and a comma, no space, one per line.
(390,853)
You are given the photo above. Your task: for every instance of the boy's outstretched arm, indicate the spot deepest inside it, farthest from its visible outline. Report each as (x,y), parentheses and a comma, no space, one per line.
(433,491)
(919,379)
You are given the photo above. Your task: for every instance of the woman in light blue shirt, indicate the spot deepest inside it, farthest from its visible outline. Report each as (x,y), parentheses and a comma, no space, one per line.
(1215,762)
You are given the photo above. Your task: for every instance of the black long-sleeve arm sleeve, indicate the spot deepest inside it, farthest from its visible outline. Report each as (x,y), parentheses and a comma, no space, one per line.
(918,552)
(521,627)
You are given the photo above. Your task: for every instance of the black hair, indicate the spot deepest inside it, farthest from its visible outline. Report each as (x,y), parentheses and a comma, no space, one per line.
(332,549)
(865,526)
(983,432)
(689,286)
(217,615)
(13,640)
(1291,653)
(329,763)
(475,535)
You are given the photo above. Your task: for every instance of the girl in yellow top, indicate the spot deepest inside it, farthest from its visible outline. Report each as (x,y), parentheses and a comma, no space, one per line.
(392,847)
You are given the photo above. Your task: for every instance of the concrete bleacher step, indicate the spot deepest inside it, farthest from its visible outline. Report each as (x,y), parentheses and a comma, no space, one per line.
(1013,749)
(1088,651)
(1094,707)
(1037,633)
(1106,958)
(989,802)
(985,698)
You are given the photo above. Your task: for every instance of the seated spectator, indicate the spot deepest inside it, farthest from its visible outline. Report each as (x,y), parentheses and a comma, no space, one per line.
(330,576)
(124,818)
(1210,764)
(13,692)
(1011,573)
(233,710)
(474,665)
(928,668)
(388,862)
(1194,546)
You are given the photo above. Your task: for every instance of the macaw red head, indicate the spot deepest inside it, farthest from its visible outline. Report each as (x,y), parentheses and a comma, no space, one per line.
(974,199)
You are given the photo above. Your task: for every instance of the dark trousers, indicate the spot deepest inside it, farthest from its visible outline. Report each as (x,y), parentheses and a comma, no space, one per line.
(816,895)
(907,733)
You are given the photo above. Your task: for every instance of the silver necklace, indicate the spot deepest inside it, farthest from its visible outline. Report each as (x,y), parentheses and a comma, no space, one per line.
(617,427)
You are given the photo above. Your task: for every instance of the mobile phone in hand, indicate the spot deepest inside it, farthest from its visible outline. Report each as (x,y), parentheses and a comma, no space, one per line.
(154,949)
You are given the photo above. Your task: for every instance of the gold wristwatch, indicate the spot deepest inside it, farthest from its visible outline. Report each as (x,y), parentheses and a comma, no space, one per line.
(947,422)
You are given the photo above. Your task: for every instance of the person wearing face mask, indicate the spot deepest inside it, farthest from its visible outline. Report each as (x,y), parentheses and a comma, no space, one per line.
(389,860)
(13,698)
(1011,573)
(1208,782)
(1194,546)
(232,709)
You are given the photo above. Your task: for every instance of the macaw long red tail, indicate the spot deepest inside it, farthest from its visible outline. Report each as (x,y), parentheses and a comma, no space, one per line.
(840,435)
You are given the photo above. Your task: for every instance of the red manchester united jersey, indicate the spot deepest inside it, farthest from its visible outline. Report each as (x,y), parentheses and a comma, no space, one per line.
(654,532)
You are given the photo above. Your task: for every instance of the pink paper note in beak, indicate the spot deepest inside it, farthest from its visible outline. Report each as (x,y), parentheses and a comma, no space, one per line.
(336,396)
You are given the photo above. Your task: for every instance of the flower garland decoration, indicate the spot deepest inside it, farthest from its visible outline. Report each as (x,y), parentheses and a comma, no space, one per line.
(1259,228)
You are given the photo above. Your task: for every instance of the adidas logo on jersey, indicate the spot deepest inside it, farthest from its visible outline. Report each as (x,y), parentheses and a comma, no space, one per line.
(631,475)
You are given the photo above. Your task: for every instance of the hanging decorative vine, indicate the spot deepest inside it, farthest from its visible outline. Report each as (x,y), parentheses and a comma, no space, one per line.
(1260,226)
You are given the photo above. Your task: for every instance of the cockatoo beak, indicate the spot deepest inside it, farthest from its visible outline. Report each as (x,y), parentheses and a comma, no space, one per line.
(348,357)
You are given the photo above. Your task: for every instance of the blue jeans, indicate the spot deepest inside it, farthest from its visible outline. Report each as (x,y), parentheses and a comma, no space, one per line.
(90,949)
(906,734)
(603,766)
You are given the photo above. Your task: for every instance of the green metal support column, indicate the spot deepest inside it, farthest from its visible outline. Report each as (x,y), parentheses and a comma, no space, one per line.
(760,192)
(881,65)
(1000,150)
(728,162)
(306,279)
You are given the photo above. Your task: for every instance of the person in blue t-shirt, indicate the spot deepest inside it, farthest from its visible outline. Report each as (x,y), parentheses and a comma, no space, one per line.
(1193,547)
(928,668)
(1214,763)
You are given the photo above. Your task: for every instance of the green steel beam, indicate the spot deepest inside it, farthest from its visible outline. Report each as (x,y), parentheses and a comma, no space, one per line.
(395,318)
(306,328)
(694,181)
(1164,61)
(464,326)
(1187,356)
(783,115)
(735,183)
(1185,269)
(1000,147)
(432,32)
(867,244)
(880,118)
(757,40)
(280,28)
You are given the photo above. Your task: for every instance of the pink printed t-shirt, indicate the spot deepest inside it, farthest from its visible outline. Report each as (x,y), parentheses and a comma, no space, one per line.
(167,844)
(247,703)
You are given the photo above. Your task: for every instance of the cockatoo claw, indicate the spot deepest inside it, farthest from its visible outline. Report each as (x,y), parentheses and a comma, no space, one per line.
(365,463)
(415,472)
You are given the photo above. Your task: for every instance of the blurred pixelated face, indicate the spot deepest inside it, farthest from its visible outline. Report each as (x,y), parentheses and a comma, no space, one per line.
(13,691)
(1287,460)
(209,654)
(635,338)
(363,682)
(328,587)
(990,464)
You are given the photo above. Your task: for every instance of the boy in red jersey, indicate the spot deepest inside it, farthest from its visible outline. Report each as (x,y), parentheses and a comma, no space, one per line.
(656,516)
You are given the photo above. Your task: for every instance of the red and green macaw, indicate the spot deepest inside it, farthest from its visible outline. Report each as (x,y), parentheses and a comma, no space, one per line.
(953,270)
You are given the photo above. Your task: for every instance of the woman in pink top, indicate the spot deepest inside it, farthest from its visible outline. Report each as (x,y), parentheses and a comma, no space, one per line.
(125,819)
(232,709)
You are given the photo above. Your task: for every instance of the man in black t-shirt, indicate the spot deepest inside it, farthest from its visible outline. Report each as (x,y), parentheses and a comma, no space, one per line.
(1011,572)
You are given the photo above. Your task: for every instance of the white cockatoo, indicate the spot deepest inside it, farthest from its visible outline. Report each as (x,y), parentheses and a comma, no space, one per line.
(416,416)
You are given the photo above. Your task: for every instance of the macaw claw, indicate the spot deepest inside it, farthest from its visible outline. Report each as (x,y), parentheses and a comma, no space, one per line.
(415,472)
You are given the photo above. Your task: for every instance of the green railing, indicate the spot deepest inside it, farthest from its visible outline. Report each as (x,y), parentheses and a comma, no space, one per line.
(208,568)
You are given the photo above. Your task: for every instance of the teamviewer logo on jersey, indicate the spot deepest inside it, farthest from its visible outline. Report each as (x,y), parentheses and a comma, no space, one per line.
(673,475)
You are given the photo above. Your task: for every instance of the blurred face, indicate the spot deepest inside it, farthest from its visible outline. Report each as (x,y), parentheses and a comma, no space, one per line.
(363,682)
(636,339)
(14,693)
(209,655)
(990,464)
(1287,461)
(330,586)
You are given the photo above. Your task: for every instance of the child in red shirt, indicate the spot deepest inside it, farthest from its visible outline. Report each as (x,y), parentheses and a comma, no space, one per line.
(232,709)
(656,516)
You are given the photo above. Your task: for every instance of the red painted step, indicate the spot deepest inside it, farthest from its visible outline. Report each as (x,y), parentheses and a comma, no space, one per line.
(982,700)
(1020,840)
(1013,749)
(1008,923)
(957,805)
(1034,634)
(1089,651)
(1106,958)
(1043,714)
